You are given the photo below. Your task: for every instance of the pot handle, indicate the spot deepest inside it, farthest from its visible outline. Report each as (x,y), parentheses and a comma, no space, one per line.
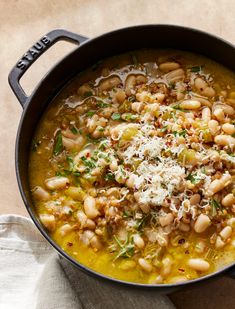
(35,52)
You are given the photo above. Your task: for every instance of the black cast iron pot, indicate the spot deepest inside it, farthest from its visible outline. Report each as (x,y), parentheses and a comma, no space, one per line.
(88,53)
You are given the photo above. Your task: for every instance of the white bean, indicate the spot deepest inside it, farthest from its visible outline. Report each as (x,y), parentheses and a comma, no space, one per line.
(175,75)
(90,224)
(199,264)
(138,241)
(228,200)
(109,83)
(82,218)
(226,232)
(228,128)
(48,221)
(219,114)
(202,223)
(132,81)
(166,266)
(90,207)
(208,92)
(145,265)
(190,104)
(213,126)
(65,229)
(40,194)
(218,184)
(206,114)
(219,243)
(137,107)
(167,219)
(225,140)
(168,66)
(200,84)
(56,183)
(231,222)
(96,243)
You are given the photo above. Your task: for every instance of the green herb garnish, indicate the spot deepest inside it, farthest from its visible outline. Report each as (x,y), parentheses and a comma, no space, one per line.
(90,113)
(180,133)
(58,144)
(130,117)
(193,178)
(70,163)
(102,104)
(109,177)
(215,207)
(126,214)
(141,223)
(87,94)
(126,249)
(116,116)
(74,130)
(195,69)
(88,162)
(164,129)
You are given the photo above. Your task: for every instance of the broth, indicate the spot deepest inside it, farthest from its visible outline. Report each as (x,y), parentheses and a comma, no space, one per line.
(132,167)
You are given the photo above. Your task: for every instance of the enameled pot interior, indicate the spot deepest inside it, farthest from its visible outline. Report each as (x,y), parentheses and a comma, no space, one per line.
(89,53)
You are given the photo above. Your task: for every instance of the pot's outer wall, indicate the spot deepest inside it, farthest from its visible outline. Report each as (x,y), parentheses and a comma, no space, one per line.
(112,43)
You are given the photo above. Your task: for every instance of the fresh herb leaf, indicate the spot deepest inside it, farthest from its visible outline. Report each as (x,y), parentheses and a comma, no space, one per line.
(102,104)
(88,163)
(116,116)
(171,85)
(180,133)
(130,117)
(70,162)
(126,214)
(87,94)
(164,129)
(76,174)
(141,223)
(109,177)
(58,144)
(90,113)
(74,130)
(126,249)
(216,205)
(193,178)
(195,69)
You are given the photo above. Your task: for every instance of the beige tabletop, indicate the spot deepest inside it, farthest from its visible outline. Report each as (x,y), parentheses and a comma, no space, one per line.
(23,22)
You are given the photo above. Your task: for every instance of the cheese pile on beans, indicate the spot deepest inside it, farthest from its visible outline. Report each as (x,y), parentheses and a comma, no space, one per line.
(145,162)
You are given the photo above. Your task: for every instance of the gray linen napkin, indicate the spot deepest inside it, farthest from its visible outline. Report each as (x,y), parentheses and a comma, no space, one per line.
(33,277)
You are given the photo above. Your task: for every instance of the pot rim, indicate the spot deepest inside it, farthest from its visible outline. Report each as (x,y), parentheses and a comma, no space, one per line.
(43,232)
